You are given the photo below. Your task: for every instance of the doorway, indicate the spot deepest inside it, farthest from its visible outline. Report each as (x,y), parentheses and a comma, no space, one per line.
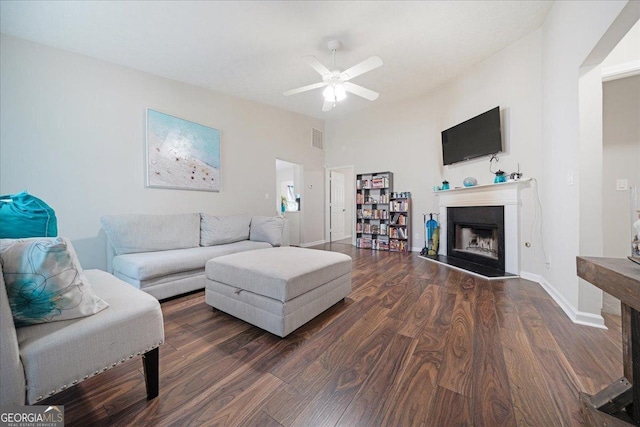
(339,204)
(289,200)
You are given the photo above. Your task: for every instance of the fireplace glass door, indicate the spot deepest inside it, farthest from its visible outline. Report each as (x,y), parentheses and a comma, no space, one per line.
(482,241)
(476,234)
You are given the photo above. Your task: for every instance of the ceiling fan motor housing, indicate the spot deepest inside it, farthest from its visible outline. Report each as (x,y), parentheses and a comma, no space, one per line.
(334,45)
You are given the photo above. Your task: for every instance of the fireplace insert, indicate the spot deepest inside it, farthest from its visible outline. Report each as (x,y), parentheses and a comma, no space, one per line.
(476,234)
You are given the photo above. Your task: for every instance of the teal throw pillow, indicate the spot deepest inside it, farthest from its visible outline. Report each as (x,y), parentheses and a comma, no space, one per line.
(45,282)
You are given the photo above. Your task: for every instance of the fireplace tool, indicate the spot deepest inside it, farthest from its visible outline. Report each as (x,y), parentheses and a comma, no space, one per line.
(425,250)
(432,235)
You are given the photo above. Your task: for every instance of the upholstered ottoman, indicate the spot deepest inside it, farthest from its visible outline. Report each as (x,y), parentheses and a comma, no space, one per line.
(277,289)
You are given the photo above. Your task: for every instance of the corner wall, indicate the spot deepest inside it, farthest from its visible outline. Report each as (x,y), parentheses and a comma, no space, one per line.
(575,34)
(621,161)
(404,137)
(72,132)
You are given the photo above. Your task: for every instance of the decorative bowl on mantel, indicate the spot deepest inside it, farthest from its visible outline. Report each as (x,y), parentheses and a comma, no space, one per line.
(470,182)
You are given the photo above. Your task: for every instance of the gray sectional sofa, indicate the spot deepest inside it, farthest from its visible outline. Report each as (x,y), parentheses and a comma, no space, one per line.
(165,255)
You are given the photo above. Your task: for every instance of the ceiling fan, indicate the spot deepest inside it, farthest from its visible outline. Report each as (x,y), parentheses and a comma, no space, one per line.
(337,82)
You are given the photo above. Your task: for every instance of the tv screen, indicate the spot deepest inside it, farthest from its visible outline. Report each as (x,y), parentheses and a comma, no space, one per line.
(476,137)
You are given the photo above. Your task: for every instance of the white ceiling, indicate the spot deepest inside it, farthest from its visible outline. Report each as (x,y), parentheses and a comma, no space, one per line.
(253,49)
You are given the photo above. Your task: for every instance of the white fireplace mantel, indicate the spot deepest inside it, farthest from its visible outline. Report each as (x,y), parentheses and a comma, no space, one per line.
(505,194)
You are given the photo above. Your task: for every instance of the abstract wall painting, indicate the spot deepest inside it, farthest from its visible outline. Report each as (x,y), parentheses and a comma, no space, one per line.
(182,154)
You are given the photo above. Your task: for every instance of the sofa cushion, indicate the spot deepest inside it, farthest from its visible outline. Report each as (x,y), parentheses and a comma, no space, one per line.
(148,265)
(267,229)
(59,354)
(45,281)
(218,230)
(12,384)
(133,233)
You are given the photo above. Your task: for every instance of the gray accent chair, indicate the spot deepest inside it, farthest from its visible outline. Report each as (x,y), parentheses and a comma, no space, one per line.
(38,361)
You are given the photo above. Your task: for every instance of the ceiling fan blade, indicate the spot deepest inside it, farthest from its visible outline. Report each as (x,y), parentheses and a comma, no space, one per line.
(361,68)
(328,105)
(305,88)
(313,62)
(361,91)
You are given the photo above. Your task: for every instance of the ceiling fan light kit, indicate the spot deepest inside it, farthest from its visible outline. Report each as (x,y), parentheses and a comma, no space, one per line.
(336,81)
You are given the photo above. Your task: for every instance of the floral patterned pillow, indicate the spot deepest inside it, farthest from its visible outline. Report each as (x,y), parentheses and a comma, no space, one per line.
(45,282)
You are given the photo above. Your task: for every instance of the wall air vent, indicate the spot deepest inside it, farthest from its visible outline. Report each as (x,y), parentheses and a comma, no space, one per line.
(317,139)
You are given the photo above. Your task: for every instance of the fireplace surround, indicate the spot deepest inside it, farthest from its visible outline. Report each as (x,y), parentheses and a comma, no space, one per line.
(504,195)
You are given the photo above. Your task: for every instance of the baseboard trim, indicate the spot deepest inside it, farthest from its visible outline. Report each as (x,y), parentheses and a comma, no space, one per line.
(316,243)
(577,317)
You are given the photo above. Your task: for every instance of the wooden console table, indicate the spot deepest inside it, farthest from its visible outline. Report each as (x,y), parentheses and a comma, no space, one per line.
(618,404)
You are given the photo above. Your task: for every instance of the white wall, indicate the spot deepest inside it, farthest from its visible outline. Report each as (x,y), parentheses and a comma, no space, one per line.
(621,140)
(573,37)
(621,161)
(73,131)
(404,137)
(626,53)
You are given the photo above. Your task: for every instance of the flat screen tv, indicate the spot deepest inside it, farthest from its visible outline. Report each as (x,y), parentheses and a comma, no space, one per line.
(479,136)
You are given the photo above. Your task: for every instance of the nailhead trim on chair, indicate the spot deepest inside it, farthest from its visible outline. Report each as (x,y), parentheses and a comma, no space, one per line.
(113,365)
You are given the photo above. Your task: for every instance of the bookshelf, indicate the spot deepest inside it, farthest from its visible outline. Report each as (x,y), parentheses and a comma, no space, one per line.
(373,191)
(400,222)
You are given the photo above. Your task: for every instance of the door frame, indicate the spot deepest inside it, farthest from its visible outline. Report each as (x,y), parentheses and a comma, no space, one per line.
(348,170)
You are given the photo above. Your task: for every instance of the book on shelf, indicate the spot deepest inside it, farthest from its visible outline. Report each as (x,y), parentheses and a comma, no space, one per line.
(397,245)
(379,244)
(398,233)
(364,242)
(380,182)
(399,205)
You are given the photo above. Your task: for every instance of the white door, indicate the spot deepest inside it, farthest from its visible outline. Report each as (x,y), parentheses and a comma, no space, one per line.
(336,204)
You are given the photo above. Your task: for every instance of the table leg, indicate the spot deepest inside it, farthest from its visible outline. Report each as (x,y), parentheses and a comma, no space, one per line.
(634,353)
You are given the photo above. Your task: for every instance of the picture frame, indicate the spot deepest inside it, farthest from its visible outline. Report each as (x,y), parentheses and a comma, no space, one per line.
(181,154)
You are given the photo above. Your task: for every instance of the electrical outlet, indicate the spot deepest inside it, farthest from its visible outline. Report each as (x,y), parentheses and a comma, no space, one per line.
(416,235)
(266,196)
(570,177)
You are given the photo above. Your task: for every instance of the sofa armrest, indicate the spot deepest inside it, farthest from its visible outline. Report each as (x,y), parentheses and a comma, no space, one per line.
(286,236)
(110,254)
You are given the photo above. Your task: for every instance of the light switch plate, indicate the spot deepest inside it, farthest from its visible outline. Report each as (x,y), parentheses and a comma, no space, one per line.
(622,184)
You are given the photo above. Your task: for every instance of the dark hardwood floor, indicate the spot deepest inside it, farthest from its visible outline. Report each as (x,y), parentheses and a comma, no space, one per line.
(415,344)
